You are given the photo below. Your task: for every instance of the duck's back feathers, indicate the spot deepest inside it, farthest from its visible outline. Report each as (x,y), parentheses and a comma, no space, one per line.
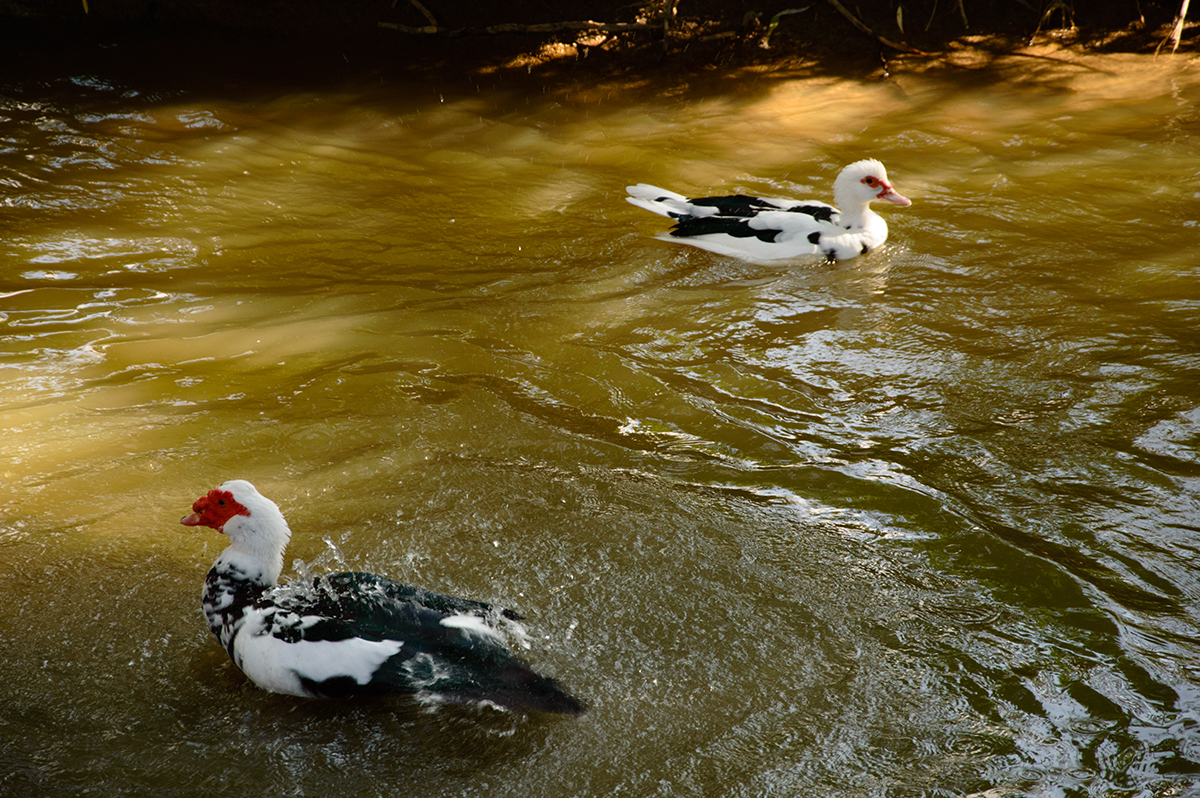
(364,596)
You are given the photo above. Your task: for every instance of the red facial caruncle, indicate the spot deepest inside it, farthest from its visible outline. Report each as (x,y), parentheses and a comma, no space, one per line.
(214,510)
(875,182)
(886,192)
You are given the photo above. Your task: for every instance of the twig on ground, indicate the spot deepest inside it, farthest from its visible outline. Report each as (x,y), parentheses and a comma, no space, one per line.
(512,27)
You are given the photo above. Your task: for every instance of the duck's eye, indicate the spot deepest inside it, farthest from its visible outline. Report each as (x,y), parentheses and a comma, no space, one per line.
(870,181)
(221,502)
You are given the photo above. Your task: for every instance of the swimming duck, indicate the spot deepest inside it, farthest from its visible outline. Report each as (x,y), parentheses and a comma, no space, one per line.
(352,633)
(758,229)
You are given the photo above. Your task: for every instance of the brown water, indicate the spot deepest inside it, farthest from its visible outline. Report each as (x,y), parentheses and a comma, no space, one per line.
(921,523)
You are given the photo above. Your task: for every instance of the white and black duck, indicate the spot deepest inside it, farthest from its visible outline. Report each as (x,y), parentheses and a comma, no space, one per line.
(352,633)
(759,229)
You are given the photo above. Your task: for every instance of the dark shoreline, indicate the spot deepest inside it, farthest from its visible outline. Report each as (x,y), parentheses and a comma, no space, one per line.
(318,41)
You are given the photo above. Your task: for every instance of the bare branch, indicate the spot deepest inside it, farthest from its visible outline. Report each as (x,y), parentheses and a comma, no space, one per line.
(1176,29)
(904,48)
(425,11)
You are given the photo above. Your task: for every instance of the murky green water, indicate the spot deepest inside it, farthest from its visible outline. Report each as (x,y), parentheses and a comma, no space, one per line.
(922,523)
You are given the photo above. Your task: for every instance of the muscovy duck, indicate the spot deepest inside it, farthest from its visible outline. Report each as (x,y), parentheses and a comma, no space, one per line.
(761,229)
(351,633)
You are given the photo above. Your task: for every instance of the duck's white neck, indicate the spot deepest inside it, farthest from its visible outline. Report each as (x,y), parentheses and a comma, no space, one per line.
(856,216)
(256,547)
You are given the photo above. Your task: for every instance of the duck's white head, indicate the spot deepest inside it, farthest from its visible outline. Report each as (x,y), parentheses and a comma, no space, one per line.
(863,182)
(256,528)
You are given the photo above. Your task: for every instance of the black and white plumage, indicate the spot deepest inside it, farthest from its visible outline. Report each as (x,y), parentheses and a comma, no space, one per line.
(352,633)
(758,229)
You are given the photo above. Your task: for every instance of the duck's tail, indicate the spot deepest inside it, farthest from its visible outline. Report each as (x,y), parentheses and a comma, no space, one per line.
(659,200)
(514,686)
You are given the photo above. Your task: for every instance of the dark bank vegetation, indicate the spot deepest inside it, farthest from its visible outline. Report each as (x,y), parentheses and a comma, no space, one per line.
(893,23)
(688,33)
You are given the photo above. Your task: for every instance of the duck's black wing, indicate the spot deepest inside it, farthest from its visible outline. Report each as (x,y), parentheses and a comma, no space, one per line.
(446,646)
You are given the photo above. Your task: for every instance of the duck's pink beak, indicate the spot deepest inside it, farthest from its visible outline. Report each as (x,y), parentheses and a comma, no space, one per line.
(889,194)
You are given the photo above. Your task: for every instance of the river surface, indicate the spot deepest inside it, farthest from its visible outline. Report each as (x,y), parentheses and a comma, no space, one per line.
(922,523)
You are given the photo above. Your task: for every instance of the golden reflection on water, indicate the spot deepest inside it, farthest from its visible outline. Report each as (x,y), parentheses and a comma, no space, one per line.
(769,512)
